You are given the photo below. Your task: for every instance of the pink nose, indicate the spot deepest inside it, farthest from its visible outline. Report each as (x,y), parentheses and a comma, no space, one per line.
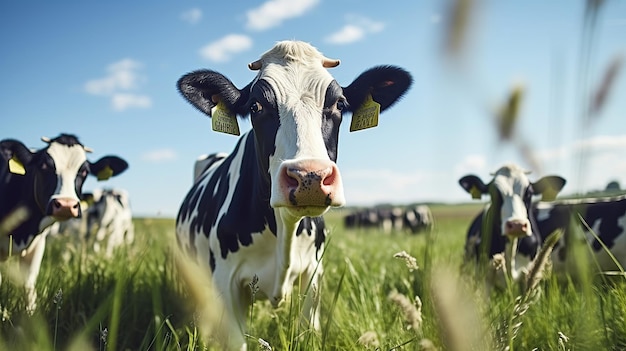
(65,208)
(517,228)
(310,183)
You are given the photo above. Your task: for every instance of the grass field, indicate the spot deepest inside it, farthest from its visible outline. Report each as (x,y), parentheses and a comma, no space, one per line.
(137,301)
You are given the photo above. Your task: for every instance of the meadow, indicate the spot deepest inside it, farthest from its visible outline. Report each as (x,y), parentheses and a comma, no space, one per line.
(141,299)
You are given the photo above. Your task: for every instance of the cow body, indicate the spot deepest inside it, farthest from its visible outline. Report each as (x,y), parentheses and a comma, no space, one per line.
(508,219)
(602,221)
(255,215)
(109,215)
(38,189)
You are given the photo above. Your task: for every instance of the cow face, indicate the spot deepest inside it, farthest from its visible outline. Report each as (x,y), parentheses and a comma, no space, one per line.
(56,173)
(296,108)
(511,193)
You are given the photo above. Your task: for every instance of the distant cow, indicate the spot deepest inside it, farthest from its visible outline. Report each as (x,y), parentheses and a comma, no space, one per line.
(255,214)
(418,218)
(606,217)
(109,215)
(508,215)
(39,188)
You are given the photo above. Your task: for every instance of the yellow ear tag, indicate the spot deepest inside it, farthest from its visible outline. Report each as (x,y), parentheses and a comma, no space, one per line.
(105,173)
(224,121)
(476,193)
(16,167)
(548,195)
(365,116)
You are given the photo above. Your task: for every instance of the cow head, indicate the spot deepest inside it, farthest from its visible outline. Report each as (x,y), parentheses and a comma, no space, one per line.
(295,107)
(56,173)
(511,193)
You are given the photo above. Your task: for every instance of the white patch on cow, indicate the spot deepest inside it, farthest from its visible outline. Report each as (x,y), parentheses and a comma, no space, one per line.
(67,161)
(543,211)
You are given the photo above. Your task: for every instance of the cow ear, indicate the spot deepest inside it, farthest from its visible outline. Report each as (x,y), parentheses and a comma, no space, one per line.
(548,187)
(385,84)
(16,154)
(204,89)
(107,167)
(473,185)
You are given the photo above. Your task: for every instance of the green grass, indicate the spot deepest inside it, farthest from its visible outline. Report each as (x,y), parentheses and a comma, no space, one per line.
(137,301)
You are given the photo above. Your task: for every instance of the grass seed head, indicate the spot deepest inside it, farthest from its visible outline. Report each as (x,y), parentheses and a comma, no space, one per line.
(412,312)
(410,261)
(369,340)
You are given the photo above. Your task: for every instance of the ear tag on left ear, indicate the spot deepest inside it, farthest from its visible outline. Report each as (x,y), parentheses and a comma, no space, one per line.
(365,116)
(548,195)
(105,173)
(224,121)
(476,193)
(16,167)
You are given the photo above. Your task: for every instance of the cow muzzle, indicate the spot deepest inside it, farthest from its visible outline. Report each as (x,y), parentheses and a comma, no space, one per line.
(64,208)
(517,228)
(308,183)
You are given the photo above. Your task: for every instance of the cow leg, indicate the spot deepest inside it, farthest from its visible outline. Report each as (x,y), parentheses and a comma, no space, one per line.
(30,264)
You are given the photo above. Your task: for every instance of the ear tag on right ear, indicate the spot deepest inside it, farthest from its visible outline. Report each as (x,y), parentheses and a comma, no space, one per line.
(476,193)
(105,173)
(16,167)
(224,121)
(548,195)
(365,116)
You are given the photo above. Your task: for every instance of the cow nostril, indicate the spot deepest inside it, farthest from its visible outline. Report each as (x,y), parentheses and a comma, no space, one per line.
(329,179)
(56,203)
(291,178)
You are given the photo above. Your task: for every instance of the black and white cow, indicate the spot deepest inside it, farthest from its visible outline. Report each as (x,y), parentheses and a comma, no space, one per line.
(110,217)
(256,213)
(418,218)
(508,216)
(39,188)
(602,221)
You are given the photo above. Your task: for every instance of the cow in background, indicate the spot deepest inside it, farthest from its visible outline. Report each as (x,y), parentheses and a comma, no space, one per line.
(599,223)
(254,216)
(418,218)
(38,188)
(508,216)
(109,215)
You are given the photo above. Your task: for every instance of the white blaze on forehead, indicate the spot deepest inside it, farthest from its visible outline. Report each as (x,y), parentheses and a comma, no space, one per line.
(68,161)
(294,71)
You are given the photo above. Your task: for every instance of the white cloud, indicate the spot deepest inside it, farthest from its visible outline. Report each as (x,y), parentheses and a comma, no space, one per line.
(355,30)
(159,155)
(123,101)
(347,34)
(273,12)
(474,164)
(123,76)
(594,145)
(223,49)
(192,16)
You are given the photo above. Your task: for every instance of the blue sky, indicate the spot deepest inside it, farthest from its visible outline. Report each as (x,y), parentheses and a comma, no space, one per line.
(106,71)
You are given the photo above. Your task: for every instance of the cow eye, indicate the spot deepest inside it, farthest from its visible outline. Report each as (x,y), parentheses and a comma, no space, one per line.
(256,107)
(341,105)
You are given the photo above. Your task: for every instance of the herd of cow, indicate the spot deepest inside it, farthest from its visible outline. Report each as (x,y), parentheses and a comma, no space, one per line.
(413,219)
(255,214)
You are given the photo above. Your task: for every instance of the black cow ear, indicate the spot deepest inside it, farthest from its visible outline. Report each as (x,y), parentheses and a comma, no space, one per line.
(548,187)
(386,85)
(473,185)
(107,167)
(15,155)
(204,89)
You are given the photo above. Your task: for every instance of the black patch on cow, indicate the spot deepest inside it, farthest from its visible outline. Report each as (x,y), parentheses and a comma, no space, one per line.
(265,123)
(334,105)
(608,213)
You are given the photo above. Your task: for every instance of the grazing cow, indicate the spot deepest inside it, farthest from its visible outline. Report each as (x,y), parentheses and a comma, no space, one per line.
(254,216)
(109,215)
(39,188)
(418,218)
(606,217)
(508,215)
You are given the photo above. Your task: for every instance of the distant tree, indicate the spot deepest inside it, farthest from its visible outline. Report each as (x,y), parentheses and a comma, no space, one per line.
(613,186)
